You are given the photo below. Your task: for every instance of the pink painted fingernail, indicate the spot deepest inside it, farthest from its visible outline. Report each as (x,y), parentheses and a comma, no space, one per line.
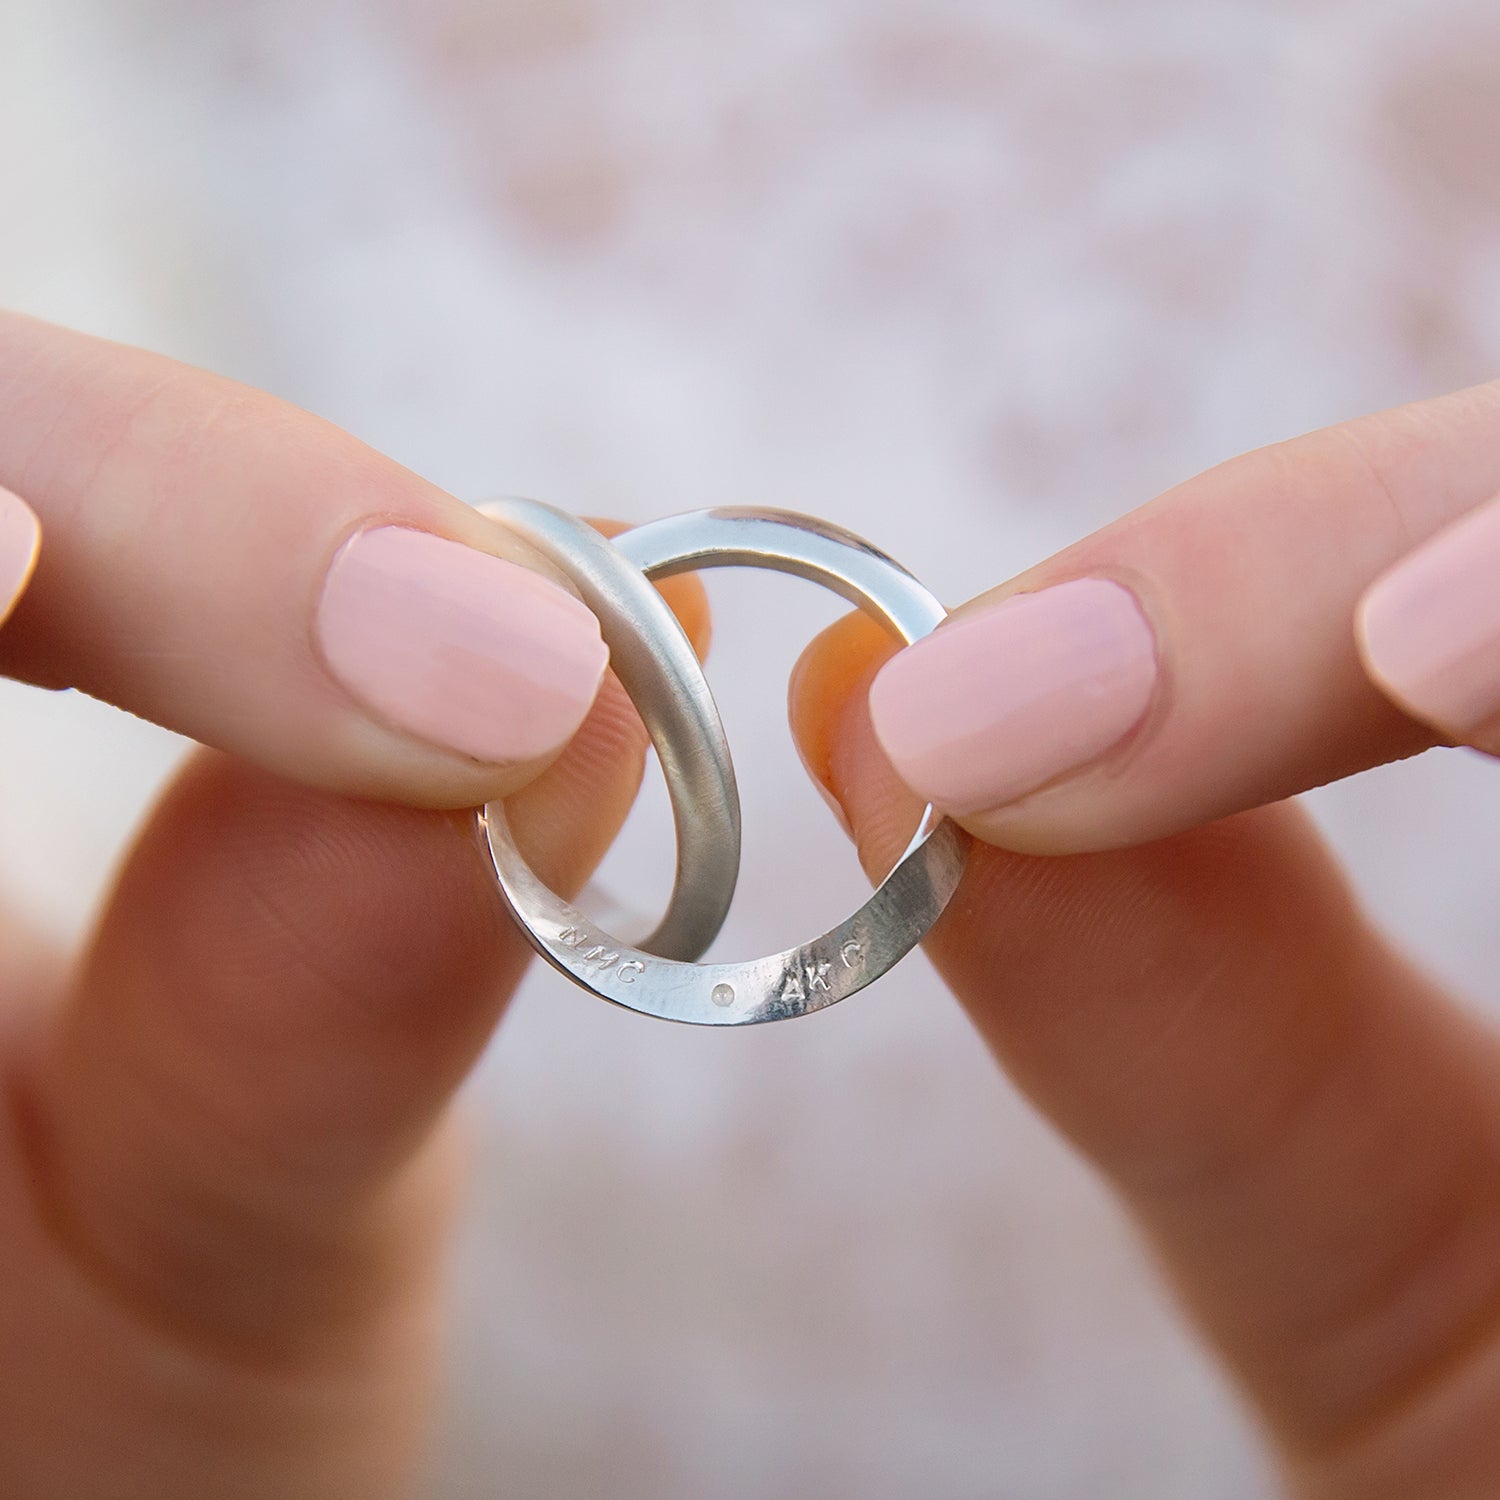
(20,542)
(992,705)
(1430,627)
(466,650)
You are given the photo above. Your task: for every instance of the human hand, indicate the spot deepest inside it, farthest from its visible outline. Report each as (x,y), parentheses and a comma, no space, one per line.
(1166,958)
(225,1159)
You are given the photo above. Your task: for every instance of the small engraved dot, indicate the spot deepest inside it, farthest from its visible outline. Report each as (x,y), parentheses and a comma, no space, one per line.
(722,994)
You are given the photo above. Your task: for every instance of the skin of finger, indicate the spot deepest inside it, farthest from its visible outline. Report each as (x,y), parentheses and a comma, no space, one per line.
(32,965)
(303,980)
(1307,1131)
(314,1374)
(1250,575)
(1448,1447)
(113,1404)
(190,522)
(230,1132)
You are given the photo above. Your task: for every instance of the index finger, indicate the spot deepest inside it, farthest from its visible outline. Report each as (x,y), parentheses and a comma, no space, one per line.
(1196,657)
(248,575)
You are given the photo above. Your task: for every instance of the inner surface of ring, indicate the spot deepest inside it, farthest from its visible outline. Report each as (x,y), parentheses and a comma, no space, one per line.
(840,961)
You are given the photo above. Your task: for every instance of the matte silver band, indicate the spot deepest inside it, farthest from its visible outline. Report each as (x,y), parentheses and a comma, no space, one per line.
(654,660)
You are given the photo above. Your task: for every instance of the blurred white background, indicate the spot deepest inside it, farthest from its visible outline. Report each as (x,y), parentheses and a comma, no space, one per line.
(970,276)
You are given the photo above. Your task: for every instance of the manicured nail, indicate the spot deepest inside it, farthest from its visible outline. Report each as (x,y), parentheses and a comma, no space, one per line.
(468,651)
(1430,628)
(992,705)
(20,541)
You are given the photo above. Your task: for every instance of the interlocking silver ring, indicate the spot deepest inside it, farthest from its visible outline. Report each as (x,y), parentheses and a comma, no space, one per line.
(655,662)
(659,978)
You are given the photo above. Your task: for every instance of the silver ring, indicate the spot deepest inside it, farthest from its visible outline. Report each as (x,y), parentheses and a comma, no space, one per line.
(853,954)
(654,660)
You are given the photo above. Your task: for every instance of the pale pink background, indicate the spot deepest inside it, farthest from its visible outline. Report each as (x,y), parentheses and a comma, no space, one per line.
(972,277)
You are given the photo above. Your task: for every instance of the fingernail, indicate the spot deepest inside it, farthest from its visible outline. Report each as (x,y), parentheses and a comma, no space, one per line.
(992,705)
(466,650)
(1430,627)
(20,541)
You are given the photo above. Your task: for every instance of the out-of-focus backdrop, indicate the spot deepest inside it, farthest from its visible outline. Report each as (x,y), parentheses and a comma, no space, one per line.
(970,276)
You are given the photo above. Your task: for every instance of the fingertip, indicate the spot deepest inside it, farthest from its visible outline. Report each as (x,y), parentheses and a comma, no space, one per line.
(473,653)
(841,722)
(837,664)
(830,712)
(1017,693)
(416,773)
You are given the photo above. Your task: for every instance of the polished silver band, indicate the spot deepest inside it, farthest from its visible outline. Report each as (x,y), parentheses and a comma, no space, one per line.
(801,979)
